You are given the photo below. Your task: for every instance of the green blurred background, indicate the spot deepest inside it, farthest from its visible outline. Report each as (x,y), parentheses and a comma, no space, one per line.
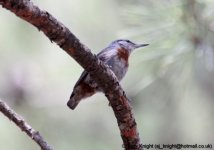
(171,82)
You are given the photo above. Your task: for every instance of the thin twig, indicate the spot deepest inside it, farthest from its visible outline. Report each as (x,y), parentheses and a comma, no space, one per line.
(105,78)
(24,126)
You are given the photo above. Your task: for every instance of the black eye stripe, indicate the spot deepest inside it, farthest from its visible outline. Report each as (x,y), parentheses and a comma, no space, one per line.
(125,41)
(120,41)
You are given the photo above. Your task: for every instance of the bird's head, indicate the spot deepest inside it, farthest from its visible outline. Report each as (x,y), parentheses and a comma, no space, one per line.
(127,44)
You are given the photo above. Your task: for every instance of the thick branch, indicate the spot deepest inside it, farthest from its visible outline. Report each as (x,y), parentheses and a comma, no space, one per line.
(24,126)
(58,33)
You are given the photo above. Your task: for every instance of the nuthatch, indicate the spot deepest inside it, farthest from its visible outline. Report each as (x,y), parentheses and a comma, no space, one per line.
(116,57)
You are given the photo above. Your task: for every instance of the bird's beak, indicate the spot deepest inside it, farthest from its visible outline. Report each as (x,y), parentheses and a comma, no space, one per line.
(141,45)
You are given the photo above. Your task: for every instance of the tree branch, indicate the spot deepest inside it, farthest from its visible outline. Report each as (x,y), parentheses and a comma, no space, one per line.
(24,126)
(105,78)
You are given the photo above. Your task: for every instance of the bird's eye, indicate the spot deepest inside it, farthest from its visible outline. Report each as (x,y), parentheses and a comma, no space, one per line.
(128,41)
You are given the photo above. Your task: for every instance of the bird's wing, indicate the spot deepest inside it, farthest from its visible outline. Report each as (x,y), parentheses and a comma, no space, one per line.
(101,56)
(106,54)
(82,77)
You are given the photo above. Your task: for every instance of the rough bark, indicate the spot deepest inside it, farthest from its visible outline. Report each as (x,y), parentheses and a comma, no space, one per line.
(24,126)
(105,78)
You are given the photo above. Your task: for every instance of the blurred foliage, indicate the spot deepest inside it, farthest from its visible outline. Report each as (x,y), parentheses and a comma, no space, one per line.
(171,82)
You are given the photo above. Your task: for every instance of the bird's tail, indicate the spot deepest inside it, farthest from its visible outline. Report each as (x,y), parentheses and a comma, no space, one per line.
(73,101)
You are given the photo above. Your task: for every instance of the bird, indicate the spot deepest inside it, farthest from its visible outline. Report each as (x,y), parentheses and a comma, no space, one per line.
(116,56)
